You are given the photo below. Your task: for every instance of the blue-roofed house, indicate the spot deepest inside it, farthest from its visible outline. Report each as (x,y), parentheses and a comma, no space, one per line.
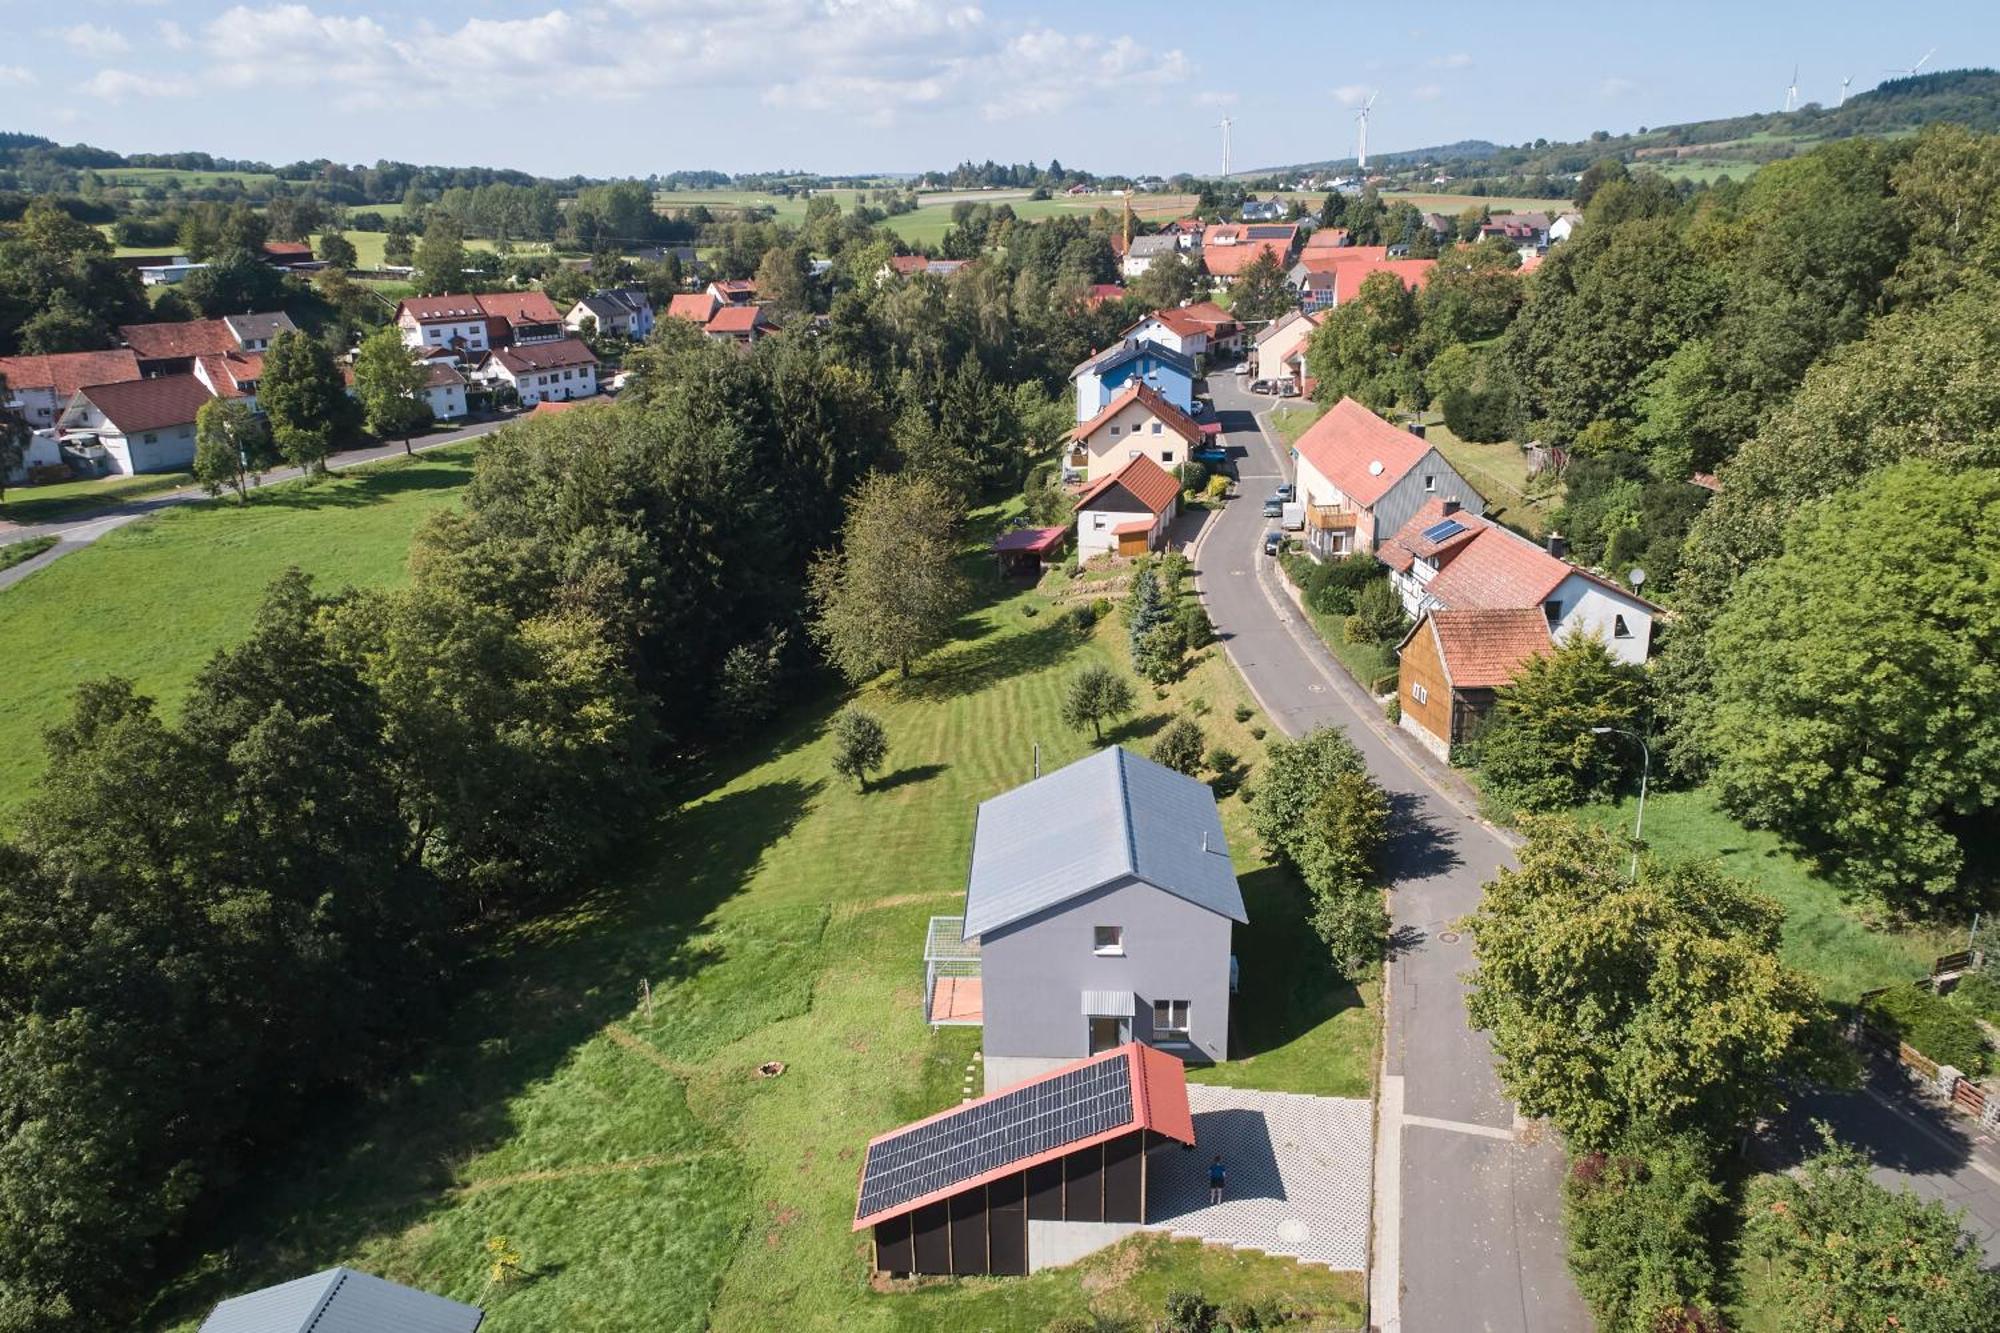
(341,1300)
(1102,899)
(1108,373)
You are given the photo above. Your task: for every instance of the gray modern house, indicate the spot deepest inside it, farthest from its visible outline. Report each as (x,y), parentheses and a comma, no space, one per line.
(1099,907)
(340,1300)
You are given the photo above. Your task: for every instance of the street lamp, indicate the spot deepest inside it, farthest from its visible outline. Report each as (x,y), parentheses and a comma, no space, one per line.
(1645,772)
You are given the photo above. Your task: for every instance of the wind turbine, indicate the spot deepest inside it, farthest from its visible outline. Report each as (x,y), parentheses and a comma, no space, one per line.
(1921,62)
(1361,132)
(1843,90)
(1226,122)
(1792,93)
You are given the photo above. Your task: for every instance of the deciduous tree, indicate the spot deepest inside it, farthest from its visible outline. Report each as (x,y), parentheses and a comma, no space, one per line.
(390,382)
(891,592)
(1260,292)
(304,396)
(1538,750)
(1094,696)
(231,445)
(860,745)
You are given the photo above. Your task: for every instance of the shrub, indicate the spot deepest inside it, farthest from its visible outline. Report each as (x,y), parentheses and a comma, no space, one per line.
(1198,706)
(1337,583)
(1196,630)
(1638,1219)
(1217,488)
(1256,733)
(1980,993)
(1378,614)
(1537,750)
(1393,710)
(1222,759)
(1192,475)
(1945,1032)
(1081,618)
(1100,607)
(1070,568)
(1244,712)
(1179,747)
(1189,1312)
(1029,610)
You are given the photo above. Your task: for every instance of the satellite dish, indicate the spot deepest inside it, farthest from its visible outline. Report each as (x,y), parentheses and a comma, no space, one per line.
(1636,577)
(1375,468)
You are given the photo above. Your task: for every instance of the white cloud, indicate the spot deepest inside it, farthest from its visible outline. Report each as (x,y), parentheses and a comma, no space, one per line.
(1351,94)
(94,39)
(1456,60)
(1427,92)
(13,75)
(173,36)
(1614,86)
(116,85)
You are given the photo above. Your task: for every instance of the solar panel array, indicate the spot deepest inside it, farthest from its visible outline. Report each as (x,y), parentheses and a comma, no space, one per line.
(1438,532)
(989,1135)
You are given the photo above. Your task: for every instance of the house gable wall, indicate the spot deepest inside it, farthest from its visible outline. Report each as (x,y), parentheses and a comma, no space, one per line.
(1033,973)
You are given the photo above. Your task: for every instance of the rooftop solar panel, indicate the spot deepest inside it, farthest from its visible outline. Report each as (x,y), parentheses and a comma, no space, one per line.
(1438,532)
(992,1134)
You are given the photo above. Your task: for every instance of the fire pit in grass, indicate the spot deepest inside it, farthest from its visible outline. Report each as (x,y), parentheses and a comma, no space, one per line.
(770,1069)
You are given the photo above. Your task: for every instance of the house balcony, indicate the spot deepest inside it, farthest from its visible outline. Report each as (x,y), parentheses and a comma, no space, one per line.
(1330,518)
(953,994)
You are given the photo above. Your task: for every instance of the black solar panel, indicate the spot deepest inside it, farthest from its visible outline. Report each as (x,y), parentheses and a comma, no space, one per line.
(992,1134)
(1438,532)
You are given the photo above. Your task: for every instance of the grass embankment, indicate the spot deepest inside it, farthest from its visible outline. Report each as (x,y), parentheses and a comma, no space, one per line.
(152,600)
(1835,939)
(633,1157)
(1291,417)
(59,500)
(19,553)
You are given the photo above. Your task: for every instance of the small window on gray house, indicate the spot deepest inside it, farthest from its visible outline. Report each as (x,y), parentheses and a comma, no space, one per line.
(151,438)
(1108,941)
(1430,482)
(1619,629)
(1554,612)
(1170,1018)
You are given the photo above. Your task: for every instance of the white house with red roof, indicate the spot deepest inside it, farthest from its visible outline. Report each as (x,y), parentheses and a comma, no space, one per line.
(539,372)
(40,387)
(141,425)
(1138,423)
(1227,248)
(1325,278)
(1444,558)
(231,375)
(479,323)
(1172,328)
(1279,344)
(743,324)
(1361,479)
(1128,511)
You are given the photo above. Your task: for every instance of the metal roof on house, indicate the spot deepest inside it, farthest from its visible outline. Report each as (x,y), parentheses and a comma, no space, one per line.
(1132,349)
(248,328)
(1152,247)
(341,1300)
(1104,819)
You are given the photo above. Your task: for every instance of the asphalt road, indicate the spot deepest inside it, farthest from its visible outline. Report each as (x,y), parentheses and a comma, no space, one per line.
(73,534)
(1467,1206)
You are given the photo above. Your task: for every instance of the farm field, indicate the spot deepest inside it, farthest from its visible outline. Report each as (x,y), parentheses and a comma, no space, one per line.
(151,601)
(140,177)
(1457,203)
(630,1153)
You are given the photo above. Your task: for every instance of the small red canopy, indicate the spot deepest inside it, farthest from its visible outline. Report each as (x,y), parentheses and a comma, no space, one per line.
(1136,525)
(1211,428)
(1034,541)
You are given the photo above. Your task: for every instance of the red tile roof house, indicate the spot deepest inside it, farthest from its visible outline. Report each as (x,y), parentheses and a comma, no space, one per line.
(231,375)
(474,324)
(141,425)
(739,323)
(1172,328)
(1224,333)
(733,291)
(1450,664)
(40,387)
(1361,479)
(1128,512)
(694,307)
(1326,278)
(1137,423)
(1444,558)
(294,255)
(1227,248)
(171,349)
(537,372)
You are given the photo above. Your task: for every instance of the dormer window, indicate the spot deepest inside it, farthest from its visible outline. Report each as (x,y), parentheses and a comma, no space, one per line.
(1553,610)
(1619,629)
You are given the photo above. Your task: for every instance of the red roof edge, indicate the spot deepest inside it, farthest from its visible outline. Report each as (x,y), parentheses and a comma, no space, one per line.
(1159,1103)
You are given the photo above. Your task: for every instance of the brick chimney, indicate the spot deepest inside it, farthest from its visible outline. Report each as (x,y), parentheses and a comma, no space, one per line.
(1558,546)
(1450,507)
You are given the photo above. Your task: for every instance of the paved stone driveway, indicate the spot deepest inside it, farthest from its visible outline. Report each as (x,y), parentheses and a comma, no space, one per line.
(1299,1173)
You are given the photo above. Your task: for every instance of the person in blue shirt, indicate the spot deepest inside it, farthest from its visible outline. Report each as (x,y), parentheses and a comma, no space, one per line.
(1217,1178)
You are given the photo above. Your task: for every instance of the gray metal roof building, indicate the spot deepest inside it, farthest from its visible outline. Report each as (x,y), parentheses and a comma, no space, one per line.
(1110,817)
(341,1300)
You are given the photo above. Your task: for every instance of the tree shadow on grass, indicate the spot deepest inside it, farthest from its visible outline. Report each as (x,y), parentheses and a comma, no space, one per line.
(1288,983)
(359,489)
(999,656)
(905,777)
(377,1164)
(1138,728)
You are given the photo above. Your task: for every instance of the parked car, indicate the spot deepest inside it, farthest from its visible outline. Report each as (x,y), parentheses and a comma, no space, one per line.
(1260,386)
(1274,508)
(1287,389)
(1242,368)
(1286,492)
(1211,453)
(1274,542)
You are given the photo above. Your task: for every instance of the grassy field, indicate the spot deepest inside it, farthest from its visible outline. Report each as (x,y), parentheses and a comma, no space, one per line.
(151,601)
(632,1156)
(1453,204)
(19,553)
(927,226)
(140,177)
(66,499)
(1843,944)
(1290,418)
(1500,472)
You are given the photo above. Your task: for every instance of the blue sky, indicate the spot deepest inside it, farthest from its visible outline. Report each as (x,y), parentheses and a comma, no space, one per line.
(629,87)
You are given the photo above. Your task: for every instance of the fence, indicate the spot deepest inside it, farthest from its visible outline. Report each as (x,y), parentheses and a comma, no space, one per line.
(1958,1091)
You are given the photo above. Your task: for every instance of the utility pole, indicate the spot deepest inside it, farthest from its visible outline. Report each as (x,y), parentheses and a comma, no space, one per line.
(1645,772)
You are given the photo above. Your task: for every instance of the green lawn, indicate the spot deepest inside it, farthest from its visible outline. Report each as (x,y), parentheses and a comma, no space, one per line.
(1500,472)
(647,1175)
(66,499)
(1451,205)
(1844,945)
(19,553)
(152,600)
(1291,418)
(141,177)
